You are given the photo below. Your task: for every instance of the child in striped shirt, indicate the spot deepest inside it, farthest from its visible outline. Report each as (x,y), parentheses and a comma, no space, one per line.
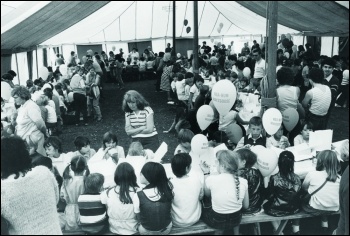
(93,214)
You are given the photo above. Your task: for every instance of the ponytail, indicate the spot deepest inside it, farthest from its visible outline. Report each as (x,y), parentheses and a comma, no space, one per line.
(235,175)
(66,174)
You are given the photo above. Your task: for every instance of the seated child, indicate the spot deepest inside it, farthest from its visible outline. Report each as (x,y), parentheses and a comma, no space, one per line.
(74,176)
(194,91)
(303,137)
(118,200)
(188,190)
(278,140)
(82,144)
(180,85)
(92,213)
(247,163)
(283,189)
(202,97)
(152,205)
(179,122)
(53,148)
(225,212)
(243,85)
(51,121)
(254,136)
(184,137)
(109,140)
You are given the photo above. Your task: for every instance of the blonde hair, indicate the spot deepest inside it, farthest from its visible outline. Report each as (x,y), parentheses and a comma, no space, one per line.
(136,149)
(344,150)
(228,159)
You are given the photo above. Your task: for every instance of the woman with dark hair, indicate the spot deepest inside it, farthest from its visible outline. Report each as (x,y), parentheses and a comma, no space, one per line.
(28,195)
(139,120)
(283,189)
(247,163)
(152,205)
(122,219)
(29,122)
(317,100)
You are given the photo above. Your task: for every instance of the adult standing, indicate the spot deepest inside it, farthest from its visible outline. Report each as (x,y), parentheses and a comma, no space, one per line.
(6,86)
(317,100)
(134,54)
(245,50)
(159,65)
(260,64)
(28,195)
(72,59)
(79,95)
(93,100)
(29,123)
(139,120)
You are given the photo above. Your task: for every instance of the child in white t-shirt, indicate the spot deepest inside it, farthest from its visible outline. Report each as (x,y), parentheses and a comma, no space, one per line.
(186,208)
(194,91)
(303,137)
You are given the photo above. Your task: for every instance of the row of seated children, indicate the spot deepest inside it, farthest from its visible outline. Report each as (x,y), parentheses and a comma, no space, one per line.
(162,204)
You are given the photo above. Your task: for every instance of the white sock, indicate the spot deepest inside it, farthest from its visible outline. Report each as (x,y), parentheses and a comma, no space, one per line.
(295,228)
(325,224)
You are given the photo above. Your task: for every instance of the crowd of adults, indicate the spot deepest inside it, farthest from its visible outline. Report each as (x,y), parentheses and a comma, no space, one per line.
(105,190)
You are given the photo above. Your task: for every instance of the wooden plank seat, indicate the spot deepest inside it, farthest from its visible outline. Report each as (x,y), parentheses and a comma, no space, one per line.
(201,227)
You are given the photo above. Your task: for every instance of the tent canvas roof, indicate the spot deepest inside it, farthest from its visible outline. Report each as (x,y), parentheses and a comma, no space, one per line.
(53,23)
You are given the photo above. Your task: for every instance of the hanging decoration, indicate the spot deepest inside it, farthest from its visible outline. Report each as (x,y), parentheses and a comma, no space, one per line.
(188,29)
(185,22)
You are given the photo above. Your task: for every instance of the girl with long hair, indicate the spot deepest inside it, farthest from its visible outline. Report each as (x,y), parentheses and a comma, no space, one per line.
(227,200)
(118,199)
(153,204)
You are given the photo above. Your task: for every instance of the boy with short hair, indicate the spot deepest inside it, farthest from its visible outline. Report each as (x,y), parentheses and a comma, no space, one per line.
(82,144)
(255,136)
(185,136)
(188,191)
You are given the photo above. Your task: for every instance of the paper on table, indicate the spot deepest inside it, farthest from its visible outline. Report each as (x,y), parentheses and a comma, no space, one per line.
(321,139)
(277,150)
(220,147)
(253,98)
(159,154)
(301,152)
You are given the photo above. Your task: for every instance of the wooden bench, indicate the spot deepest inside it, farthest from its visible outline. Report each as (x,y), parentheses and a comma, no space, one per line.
(200,227)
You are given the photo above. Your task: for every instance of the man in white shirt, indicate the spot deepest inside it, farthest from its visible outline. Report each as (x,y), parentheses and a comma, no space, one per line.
(260,65)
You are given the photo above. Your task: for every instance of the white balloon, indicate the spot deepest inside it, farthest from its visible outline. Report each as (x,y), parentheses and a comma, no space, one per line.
(267,159)
(199,144)
(205,116)
(246,72)
(43,72)
(272,120)
(223,96)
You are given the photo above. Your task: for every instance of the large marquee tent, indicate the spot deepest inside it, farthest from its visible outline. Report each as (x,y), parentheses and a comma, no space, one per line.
(29,26)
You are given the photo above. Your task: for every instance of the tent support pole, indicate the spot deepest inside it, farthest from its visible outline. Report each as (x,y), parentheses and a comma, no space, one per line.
(195,38)
(36,57)
(332,45)
(19,82)
(173,52)
(272,47)
(303,40)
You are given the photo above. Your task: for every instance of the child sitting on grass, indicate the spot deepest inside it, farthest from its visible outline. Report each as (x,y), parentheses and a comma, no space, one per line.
(92,213)
(82,144)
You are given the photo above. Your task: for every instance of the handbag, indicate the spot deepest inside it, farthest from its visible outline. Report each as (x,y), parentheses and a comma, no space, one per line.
(305,199)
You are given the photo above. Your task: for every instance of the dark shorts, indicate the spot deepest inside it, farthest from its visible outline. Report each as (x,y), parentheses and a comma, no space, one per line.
(315,212)
(149,142)
(221,221)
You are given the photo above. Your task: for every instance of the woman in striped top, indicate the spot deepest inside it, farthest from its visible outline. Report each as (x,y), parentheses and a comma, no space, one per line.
(139,120)
(317,100)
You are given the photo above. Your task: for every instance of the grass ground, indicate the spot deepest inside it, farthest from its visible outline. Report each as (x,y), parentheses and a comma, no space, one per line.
(113,118)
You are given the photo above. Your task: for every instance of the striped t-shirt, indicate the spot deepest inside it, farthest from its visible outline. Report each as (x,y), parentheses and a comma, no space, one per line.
(93,214)
(137,120)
